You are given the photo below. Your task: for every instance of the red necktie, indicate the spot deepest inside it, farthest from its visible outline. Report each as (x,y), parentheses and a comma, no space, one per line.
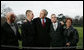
(43,23)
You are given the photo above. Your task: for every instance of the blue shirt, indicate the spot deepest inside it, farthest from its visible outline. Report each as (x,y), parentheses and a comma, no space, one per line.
(44,20)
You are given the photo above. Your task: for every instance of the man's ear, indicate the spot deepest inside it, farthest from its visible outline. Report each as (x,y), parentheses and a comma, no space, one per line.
(7,18)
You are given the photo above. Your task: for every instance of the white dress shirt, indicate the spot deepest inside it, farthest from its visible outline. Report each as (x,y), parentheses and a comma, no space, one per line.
(55,25)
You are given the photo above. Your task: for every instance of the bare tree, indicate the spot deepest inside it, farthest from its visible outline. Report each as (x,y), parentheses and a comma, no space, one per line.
(77,20)
(77,17)
(4,10)
(20,17)
(3,19)
(81,21)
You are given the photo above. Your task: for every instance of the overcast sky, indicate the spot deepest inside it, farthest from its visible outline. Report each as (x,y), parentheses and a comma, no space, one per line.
(69,8)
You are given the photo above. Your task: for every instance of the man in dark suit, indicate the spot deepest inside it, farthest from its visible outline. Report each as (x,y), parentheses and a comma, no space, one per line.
(28,30)
(56,32)
(9,32)
(42,28)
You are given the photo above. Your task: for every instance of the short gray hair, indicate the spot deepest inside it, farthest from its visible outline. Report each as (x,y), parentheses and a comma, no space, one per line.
(45,11)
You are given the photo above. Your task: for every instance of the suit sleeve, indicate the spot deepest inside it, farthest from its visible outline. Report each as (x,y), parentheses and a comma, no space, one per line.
(3,36)
(75,37)
(23,31)
(19,37)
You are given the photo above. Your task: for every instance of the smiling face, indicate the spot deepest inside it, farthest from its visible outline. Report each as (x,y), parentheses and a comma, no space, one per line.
(10,17)
(42,14)
(29,14)
(68,23)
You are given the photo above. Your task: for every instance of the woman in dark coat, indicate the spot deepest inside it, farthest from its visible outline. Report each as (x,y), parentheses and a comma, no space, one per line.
(71,34)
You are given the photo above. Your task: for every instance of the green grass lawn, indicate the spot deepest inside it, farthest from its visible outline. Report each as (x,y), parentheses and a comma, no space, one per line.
(80,43)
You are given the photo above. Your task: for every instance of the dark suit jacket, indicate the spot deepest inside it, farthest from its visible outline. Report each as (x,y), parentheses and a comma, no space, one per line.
(8,36)
(57,36)
(28,34)
(71,36)
(42,33)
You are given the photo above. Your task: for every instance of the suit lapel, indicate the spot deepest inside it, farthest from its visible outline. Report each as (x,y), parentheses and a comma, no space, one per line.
(40,22)
(10,28)
(16,27)
(57,27)
(52,27)
(46,23)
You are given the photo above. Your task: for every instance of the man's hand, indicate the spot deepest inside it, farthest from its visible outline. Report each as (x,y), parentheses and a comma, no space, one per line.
(67,44)
(62,22)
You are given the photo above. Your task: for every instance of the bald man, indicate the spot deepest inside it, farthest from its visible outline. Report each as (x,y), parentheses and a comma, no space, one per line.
(9,31)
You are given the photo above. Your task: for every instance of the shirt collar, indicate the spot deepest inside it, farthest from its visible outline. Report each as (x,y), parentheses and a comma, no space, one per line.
(44,20)
(11,24)
(55,23)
